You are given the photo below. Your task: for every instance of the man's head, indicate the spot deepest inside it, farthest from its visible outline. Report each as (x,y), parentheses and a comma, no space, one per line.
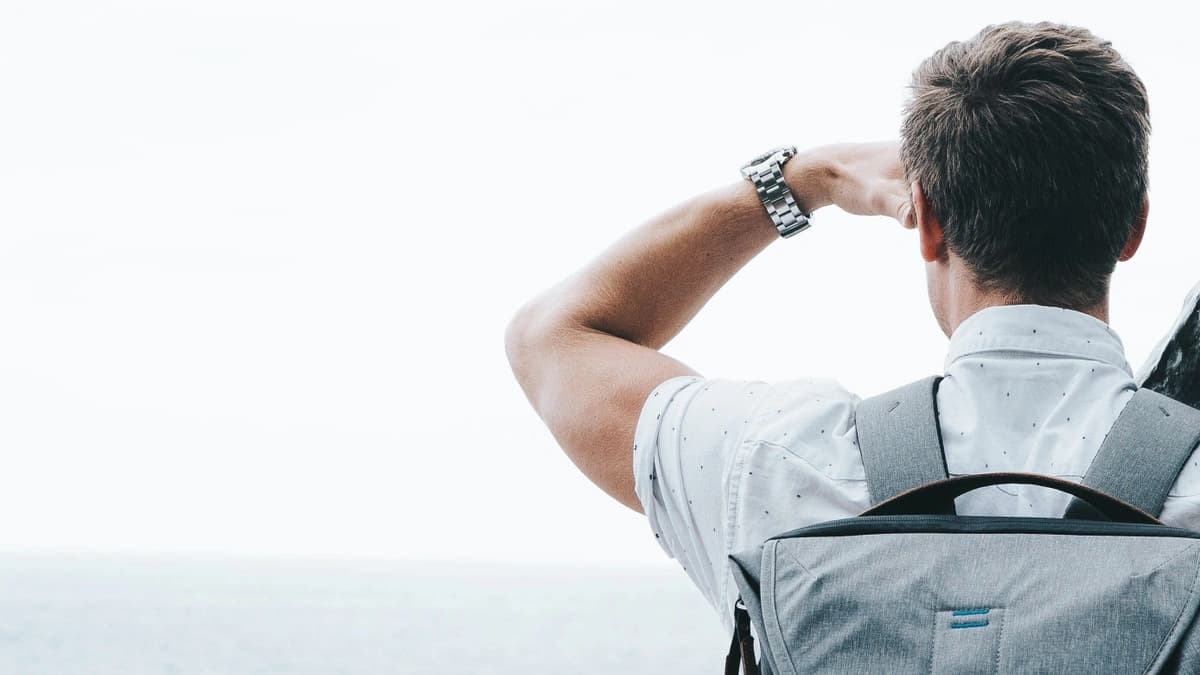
(1026,147)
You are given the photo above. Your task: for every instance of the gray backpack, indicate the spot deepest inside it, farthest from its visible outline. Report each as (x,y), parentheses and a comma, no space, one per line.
(909,587)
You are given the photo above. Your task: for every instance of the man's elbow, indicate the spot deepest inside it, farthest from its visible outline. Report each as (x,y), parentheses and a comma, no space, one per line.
(517,337)
(525,339)
(541,351)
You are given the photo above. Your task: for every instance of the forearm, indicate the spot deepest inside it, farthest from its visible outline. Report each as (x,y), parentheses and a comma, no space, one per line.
(649,284)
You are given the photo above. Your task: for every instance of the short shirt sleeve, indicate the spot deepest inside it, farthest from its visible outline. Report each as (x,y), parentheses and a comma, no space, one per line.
(685,446)
(721,465)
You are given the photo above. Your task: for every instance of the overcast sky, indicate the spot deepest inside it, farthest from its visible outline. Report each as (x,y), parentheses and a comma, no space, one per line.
(256,257)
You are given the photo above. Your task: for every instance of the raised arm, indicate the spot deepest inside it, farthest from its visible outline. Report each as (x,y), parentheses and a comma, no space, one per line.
(586,351)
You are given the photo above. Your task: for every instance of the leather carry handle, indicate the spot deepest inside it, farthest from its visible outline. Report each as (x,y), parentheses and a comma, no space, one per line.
(933,497)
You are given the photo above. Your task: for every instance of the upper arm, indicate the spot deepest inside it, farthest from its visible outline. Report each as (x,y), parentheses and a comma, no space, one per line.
(589,388)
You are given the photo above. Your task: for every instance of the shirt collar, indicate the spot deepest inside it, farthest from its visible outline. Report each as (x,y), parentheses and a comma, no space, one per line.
(1037,329)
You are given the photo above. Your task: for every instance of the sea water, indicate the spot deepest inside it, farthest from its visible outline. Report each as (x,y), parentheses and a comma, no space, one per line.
(124,615)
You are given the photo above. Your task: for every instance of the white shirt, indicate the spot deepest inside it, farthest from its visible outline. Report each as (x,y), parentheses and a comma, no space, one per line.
(720,465)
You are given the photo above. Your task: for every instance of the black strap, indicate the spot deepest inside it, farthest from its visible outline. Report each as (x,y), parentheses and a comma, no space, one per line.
(931,496)
(1141,457)
(900,439)
(741,647)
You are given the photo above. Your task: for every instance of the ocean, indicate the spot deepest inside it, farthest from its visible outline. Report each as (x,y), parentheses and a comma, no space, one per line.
(138,615)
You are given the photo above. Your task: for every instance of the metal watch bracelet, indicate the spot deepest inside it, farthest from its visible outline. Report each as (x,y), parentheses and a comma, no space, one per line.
(766,172)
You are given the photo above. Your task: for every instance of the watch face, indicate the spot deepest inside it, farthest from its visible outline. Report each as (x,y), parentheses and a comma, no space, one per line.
(764,157)
(784,153)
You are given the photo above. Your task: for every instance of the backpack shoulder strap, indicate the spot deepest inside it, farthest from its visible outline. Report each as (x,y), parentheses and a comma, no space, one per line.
(1144,451)
(900,439)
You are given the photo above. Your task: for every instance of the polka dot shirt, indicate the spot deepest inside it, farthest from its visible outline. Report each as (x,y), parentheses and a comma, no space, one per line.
(720,465)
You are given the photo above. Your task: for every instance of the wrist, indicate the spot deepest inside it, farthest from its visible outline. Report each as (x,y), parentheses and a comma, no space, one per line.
(810,175)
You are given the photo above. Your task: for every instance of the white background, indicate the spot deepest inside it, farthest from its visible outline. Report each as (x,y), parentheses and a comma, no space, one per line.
(256,257)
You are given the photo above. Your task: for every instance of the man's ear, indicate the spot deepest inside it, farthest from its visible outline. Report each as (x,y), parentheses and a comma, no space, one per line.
(929,228)
(1135,234)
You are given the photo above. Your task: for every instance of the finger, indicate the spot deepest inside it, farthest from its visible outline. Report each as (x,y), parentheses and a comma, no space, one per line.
(902,211)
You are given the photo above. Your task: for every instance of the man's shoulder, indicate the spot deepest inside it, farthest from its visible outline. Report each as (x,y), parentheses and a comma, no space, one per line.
(803,398)
(758,402)
(811,417)
(810,421)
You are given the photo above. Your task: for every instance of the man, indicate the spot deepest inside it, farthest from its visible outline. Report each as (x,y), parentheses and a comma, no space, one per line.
(1023,169)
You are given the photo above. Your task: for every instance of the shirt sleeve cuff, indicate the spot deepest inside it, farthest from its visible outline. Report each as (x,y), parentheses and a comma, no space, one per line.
(645,450)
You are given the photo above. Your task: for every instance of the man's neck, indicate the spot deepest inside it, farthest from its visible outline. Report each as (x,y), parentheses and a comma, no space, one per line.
(964,299)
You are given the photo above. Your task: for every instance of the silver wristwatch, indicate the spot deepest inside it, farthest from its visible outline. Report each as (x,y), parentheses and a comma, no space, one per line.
(766,172)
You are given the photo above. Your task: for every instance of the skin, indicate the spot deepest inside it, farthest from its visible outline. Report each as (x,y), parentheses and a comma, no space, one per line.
(953,294)
(586,351)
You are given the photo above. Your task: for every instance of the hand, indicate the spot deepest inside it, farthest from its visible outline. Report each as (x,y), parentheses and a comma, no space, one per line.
(860,178)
